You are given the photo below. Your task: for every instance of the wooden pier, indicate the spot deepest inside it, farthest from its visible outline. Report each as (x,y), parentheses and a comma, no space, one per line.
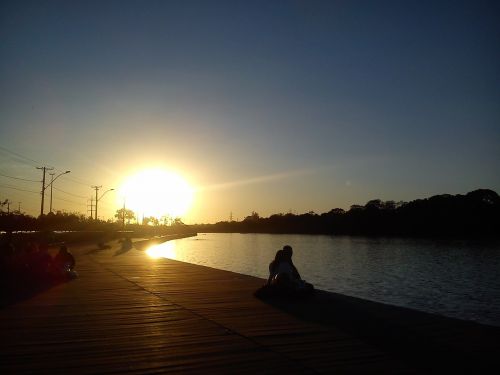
(129,313)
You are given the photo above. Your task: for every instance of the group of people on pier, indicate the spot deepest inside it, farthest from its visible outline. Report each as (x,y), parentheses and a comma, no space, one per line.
(30,265)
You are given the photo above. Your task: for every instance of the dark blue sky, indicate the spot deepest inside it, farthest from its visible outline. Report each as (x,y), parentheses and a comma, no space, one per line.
(265,105)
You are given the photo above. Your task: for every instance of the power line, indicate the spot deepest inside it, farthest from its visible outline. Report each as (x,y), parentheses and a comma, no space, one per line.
(19,178)
(18,160)
(15,188)
(66,192)
(75,180)
(21,156)
(69,201)
(29,161)
(25,159)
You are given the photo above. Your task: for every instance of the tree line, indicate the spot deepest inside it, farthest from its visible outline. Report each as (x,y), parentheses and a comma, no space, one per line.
(476,213)
(64,221)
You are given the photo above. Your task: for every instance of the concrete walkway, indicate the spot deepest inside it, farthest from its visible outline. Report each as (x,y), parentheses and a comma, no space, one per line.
(129,313)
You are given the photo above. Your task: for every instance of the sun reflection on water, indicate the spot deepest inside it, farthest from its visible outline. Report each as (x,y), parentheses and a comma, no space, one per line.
(164,250)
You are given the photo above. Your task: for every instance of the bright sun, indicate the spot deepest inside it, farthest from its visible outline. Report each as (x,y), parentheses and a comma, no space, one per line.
(157,192)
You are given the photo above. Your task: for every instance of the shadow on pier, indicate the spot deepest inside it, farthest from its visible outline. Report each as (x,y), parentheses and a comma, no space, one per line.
(435,344)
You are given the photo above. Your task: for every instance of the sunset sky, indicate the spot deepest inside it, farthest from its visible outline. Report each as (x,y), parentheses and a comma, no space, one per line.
(267,106)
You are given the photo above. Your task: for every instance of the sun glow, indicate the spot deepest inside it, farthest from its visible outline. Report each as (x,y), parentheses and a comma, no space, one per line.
(164,250)
(156,192)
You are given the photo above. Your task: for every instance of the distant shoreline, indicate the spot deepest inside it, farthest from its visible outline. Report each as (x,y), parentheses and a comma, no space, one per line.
(473,215)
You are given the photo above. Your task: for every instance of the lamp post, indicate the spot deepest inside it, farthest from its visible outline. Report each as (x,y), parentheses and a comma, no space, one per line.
(51,184)
(98,199)
(51,181)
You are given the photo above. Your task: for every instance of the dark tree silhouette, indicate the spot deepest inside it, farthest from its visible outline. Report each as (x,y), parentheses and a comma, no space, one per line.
(474,214)
(129,215)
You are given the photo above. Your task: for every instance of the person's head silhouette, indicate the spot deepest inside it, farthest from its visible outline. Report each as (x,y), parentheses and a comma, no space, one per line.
(287,252)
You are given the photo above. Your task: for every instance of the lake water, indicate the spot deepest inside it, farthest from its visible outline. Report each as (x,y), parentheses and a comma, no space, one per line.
(453,278)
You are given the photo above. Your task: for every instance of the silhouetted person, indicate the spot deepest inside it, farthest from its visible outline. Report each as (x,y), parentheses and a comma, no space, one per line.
(273,266)
(282,270)
(286,278)
(64,263)
(287,258)
(127,244)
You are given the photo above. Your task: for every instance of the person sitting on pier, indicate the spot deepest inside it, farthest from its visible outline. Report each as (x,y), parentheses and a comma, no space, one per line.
(273,266)
(64,263)
(127,243)
(284,278)
(287,258)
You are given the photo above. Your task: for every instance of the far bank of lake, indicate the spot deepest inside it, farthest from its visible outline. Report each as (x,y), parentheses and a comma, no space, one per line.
(454,278)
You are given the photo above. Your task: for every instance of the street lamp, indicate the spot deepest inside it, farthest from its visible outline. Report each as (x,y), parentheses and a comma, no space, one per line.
(98,199)
(51,182)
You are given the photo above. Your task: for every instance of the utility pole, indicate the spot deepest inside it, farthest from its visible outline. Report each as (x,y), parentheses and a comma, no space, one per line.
(44,169)
(19,207)
(51,181)
(52,184)
(96,199)
(8,206)
(91,207)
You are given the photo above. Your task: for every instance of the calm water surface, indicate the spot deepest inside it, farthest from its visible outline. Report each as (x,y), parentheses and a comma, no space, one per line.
(453,278)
